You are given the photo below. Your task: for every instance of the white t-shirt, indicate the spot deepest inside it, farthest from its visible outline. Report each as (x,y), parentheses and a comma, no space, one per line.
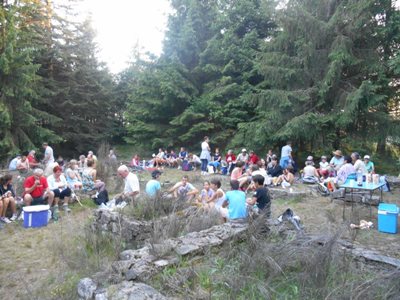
(196,158)
(53,184)
(359,165)
(204,146)
(324,165)
(48,154)
(261,172)
(286,150)
(309,171)
(131,183)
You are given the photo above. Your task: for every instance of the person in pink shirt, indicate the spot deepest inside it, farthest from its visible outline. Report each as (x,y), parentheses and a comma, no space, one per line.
(237,171)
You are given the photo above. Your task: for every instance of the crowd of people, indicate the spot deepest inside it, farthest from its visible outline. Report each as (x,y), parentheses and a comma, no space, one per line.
(54,182)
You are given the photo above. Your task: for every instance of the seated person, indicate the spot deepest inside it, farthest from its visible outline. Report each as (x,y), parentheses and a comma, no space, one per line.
(310,173)
(33,163)
(216,160)
(206,193)
(184,189)
(235,202)
(336,162)
(369,165)
(81,164)
(359,165)
(343,173)
(92,156)
(324,167)
(7,195)
(230,159)
(58,184)
(38,192)
(160,159)
(131,187)
(72,175)
(237,171)
(135,163)
(275,170)
(13,163)
(60,161)
(23,163)
(253,158)
(194,161)
(243,156)
(153,186)
(172,159)
(89,176)
(246,177)
(218,196)
(182,156)
(261,197)
(286,179)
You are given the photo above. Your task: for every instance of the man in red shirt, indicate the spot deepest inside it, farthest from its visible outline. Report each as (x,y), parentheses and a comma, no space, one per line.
(230,159)
(37,190)
(253,158)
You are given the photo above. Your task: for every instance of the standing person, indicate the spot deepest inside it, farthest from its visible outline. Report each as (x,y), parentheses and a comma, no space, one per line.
(236,202)
(48,159)
(131,188)
(7,195)
(205,156)
(261,196)
(153,186)
(286,155)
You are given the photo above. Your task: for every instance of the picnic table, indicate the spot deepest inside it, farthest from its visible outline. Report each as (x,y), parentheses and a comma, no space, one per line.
(370,187)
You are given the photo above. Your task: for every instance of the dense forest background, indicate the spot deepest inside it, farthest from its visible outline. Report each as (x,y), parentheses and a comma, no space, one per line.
(254,73)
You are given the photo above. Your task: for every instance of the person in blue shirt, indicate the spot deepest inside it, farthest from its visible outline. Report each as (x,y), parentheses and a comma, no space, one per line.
(13,163)
(153,186)
(236,202)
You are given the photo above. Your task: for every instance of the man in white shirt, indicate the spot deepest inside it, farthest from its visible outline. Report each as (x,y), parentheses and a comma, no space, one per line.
(132,187)
(286,155)
(48,160)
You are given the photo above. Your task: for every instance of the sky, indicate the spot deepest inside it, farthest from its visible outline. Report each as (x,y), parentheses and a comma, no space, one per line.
(122,25)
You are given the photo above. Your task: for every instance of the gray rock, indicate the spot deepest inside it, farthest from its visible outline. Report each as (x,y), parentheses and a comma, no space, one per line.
(130,275)
(186,249)
(129,290)
(86,288)
(101,294)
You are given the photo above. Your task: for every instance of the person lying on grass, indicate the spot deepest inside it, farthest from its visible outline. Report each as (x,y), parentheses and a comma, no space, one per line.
(184,189)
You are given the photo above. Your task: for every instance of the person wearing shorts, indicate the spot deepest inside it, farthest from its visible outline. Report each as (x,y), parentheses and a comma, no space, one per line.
(37,190)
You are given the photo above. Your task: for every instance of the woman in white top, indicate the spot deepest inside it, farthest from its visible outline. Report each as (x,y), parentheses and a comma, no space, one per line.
(310,173)
(205,155)
(58,184)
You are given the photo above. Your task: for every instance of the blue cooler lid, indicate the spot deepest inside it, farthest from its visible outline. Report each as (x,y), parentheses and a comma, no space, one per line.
(389,208)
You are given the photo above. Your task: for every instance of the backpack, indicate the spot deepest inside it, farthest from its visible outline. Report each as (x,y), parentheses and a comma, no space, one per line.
(186,166)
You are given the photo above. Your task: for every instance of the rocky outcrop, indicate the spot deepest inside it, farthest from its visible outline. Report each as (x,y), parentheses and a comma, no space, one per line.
(115,222)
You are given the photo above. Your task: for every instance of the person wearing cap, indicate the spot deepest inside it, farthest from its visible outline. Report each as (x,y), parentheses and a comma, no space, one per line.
(243,156)
(359,165)
(59,186)
(13,163)
(324,167)
(369,165)
(153,186)
(33,163)
(131,188)
(286,155)
(336,161)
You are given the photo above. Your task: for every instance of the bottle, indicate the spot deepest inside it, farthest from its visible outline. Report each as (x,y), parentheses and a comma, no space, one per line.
(55,214)
(359,178)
